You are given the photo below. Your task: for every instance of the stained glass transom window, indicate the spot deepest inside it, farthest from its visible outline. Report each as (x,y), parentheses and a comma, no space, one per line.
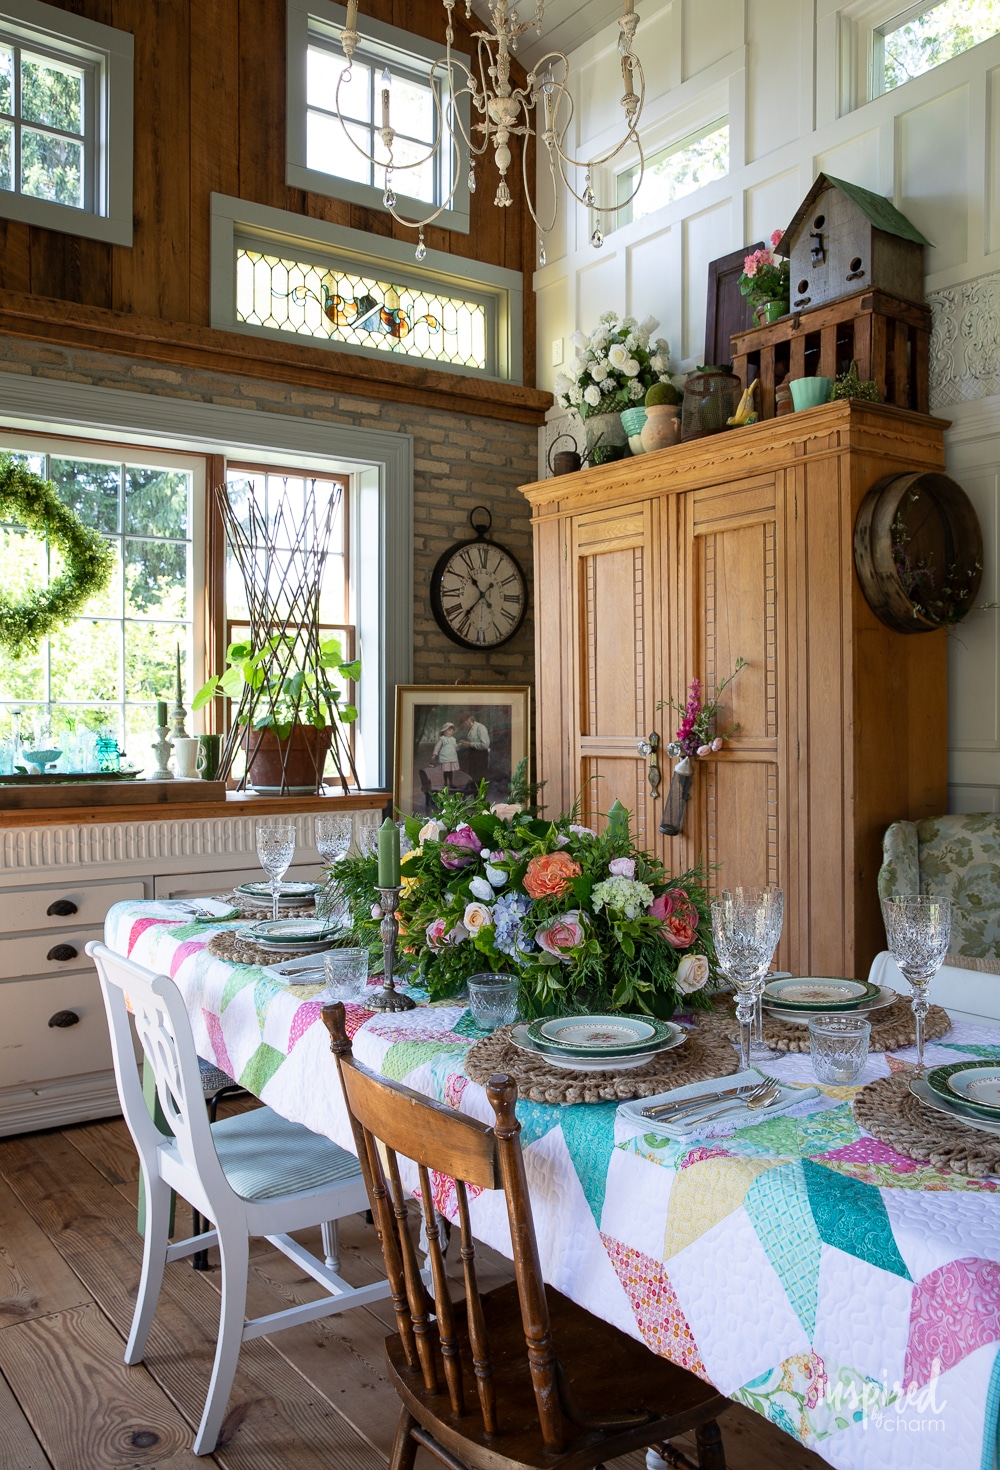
(340,306)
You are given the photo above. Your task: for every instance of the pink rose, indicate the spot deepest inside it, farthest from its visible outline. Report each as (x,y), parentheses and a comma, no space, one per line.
(562,935)
(435,934)
(460,847)
(622,867)
(718,742)
(677,933)
(678,917)
(704,750)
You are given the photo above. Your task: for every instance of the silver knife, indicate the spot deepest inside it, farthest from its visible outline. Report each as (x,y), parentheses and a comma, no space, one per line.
(703,1100)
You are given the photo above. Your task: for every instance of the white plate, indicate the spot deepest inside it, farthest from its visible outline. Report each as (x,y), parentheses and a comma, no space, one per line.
(885,997)
(590,1032)
(249,935)
(815,990)
(921,1091)
(521,1039)
(979,1085)
(294,931)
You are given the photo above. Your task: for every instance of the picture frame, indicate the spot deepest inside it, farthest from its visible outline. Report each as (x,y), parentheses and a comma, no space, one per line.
(430,756)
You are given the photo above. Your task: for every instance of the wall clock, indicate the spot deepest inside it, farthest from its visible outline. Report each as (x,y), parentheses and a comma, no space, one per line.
(478,592)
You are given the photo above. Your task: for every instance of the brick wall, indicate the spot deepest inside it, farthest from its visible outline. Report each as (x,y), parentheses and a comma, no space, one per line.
(459,462)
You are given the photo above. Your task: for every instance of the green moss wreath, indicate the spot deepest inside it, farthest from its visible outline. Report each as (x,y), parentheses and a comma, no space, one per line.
(28,500)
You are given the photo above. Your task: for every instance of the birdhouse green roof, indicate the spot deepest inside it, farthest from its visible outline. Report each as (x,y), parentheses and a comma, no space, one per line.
(879,211)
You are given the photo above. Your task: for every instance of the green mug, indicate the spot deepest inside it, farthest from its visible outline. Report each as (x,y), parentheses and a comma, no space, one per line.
(209,756)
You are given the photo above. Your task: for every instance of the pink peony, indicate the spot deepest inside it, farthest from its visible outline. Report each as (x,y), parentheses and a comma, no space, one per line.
(460,847)
(562,935)
(622,867)
(549,874)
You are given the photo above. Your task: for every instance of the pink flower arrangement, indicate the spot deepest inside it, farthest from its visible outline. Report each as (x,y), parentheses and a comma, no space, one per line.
(766,277)
(696,732)
(678,916)
(548,875)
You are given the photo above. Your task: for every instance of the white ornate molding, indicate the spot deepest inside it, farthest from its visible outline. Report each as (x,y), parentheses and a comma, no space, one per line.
(965,342)
(101,844)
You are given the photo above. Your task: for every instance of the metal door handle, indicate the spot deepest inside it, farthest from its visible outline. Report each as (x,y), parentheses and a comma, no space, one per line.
(650,747)
(64,1018)
(62,952)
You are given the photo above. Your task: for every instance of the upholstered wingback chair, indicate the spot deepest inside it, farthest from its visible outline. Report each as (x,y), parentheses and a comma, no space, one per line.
(957,857)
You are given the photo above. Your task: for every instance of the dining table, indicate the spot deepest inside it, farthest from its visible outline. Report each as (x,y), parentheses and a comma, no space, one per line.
(846,1292)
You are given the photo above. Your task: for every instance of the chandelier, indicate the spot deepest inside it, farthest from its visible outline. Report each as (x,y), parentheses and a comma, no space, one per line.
(501,113)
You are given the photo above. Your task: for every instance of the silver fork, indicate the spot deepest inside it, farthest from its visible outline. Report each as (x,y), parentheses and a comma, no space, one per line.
(669,1111)
(761,1097)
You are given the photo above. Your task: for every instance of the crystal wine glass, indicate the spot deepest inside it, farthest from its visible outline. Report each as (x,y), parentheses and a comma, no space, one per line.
(918,931)
(333,838)
(746,925)
(275,849)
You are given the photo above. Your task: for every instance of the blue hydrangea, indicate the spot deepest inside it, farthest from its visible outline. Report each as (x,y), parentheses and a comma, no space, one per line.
(509,910)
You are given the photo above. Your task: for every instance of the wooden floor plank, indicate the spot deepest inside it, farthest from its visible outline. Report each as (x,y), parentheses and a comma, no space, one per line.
(59,1367)
(276,1419)
(34,1278)
(19,1449)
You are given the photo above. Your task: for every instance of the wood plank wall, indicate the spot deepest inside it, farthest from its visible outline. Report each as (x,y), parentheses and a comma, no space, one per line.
(210,117)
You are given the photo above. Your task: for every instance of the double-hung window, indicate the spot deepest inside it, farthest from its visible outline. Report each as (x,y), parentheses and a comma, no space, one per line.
(65,122)
(346,159)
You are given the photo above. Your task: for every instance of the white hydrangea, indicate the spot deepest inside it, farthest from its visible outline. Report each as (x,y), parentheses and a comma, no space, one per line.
(622,896)
(609,318)
(664,377)
(592,395)
(632,341)
(575,395)
(657,362)
(598,339)
(629,323)
(636,390)
(630,368)
(662,345)
(618,355)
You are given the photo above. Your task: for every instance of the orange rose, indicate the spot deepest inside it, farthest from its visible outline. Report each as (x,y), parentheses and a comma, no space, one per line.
(549,874)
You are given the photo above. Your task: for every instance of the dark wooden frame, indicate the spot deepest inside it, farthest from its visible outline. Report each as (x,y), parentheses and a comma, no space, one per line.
(721,323)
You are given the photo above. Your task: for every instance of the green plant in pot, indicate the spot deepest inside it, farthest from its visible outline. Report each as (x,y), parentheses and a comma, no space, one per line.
(663,417)
(292,711)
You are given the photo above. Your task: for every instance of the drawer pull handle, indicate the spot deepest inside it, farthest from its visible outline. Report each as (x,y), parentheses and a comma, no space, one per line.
(64,1018)
(61,909)
(62,952)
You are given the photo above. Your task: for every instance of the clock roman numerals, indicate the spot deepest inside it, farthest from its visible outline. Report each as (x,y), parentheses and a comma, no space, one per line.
(478,594)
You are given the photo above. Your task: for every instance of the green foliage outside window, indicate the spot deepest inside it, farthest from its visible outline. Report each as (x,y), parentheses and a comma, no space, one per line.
(939,33)
(48,110)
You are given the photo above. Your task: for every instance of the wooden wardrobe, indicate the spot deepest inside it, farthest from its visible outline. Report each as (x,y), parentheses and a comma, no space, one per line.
(670,566)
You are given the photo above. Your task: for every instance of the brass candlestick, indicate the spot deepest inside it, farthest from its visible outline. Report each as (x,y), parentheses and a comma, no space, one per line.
(389,998)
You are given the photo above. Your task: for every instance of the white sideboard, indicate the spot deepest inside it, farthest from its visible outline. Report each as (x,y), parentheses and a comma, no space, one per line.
(57,881)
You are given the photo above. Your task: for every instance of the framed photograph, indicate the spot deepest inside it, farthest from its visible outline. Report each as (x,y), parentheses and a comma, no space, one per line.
(449,735)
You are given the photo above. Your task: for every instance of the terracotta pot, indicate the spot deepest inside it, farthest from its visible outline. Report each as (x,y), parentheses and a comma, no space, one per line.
(662,427)
(292,767)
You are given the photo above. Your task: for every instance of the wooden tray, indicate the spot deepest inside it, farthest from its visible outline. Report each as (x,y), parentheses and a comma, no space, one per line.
(43,792)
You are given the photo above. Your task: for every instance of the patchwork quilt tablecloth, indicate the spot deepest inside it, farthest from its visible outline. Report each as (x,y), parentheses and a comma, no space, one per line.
(846,1293)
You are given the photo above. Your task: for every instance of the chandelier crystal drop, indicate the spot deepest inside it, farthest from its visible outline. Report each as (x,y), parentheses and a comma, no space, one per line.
(504,117)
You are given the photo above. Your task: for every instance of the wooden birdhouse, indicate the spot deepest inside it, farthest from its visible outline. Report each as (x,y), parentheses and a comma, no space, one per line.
(845,239)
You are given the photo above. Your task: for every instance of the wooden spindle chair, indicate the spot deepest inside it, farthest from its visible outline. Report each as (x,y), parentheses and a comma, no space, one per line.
(520,1376)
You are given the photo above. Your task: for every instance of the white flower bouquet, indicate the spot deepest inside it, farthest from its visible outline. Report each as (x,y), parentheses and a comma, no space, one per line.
(614,366)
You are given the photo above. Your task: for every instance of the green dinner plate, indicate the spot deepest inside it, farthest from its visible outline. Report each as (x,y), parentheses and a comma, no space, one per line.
(776,991)
(941,1081)
(599,1036)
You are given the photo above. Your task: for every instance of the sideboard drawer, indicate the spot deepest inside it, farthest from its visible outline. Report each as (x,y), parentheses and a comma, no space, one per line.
(200,885)
(57,952)
(31,1050)
(63,906)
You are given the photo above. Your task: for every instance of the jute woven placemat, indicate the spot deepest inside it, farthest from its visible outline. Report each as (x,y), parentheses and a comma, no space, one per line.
(225,946)
(263,910)
(702,1056)
(892,1028)
(890,1112)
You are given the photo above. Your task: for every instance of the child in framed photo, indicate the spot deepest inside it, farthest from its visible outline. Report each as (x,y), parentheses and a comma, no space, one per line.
(453,738)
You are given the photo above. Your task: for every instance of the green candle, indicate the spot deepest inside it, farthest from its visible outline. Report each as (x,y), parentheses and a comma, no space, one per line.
(161,712)
(388,855)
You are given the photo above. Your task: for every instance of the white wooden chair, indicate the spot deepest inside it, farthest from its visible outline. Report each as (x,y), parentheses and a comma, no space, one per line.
(252,1174)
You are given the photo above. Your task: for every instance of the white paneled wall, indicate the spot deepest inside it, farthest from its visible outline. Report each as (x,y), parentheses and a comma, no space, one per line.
(791,76)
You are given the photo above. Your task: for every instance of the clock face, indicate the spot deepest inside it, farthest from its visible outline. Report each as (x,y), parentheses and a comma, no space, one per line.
(478,594)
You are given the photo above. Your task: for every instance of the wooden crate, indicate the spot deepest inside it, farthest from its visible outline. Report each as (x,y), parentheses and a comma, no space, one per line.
(888,337)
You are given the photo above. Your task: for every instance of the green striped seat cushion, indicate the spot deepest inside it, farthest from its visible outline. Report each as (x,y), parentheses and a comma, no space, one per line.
(264,1155)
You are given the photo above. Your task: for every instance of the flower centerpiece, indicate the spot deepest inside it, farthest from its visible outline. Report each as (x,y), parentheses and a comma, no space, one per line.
(587,921)
(766,280)
(613,368)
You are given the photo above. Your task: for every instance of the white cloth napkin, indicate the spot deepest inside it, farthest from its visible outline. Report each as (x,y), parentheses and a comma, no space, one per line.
(214,906)
(306,970)
(738,1116)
